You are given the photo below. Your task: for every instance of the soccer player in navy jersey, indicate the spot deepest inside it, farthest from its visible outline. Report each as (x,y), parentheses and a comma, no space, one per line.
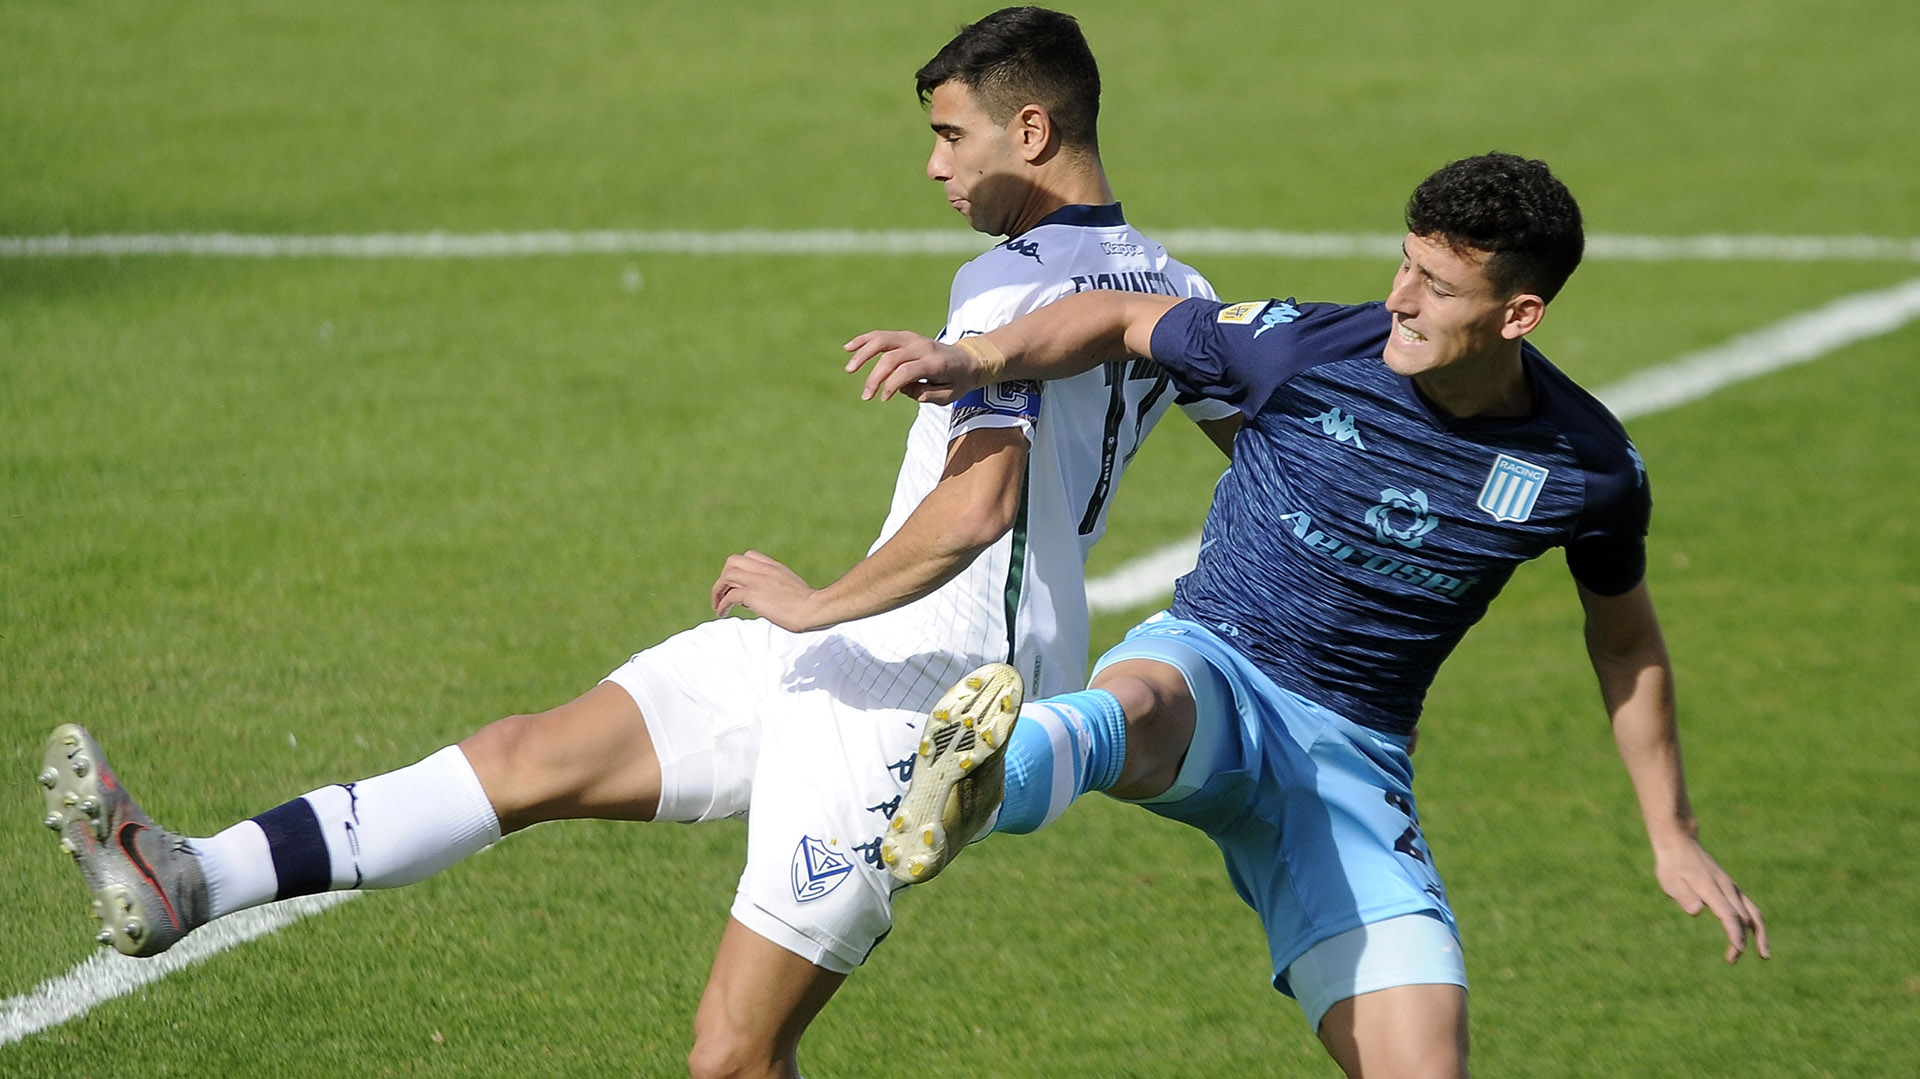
(1397,461)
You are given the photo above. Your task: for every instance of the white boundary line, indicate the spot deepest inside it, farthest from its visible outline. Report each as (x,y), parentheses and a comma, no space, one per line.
(1796,340)
(810,242)
(108,974)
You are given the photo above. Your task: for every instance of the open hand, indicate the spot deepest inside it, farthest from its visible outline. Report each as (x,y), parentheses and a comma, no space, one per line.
(1691,877)
(920,367)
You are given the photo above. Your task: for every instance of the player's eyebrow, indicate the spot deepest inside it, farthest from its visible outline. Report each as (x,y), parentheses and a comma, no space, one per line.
(945,129)
(1426,273)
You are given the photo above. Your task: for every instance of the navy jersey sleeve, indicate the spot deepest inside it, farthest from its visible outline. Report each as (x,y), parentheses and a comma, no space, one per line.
(1607,551)
(1241,352)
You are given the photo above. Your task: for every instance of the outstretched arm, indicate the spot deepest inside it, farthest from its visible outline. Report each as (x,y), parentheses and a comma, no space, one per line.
(1074,334)
(1636,682)
(972,506)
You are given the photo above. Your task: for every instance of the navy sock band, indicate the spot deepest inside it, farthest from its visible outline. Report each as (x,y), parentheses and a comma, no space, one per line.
(300,860)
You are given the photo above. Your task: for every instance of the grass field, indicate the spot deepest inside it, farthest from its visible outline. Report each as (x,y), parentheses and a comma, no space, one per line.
(270,524)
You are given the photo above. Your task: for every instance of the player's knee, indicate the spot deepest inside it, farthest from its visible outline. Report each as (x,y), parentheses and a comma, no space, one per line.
(1160,715)
(527,763)
(496,752)
(503,747)
(722,1052)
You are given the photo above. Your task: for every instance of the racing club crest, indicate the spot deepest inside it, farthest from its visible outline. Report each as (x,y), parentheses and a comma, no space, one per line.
(817,870)
(1512,488)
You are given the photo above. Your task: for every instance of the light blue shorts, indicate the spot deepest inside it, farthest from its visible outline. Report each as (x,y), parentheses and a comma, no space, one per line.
(1313,813)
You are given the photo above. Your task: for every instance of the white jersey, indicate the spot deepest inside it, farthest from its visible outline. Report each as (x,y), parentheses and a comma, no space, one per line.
(811,735)
(1023,601)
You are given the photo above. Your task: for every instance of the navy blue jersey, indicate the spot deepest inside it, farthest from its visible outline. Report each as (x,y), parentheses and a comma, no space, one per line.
(1361,530)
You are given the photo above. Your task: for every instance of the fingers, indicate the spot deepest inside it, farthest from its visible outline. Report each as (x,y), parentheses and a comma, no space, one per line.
(1745,922)
(735,576)
(1739,916)
(723,595)
(1759,925)
(866,346)
(1698,884)
(903,362)
(886,346)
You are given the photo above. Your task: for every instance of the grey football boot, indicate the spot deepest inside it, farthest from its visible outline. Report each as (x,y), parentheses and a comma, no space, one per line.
(959,777)
(147,887)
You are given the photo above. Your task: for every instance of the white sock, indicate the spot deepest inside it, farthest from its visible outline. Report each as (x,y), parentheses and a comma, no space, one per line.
(384,832)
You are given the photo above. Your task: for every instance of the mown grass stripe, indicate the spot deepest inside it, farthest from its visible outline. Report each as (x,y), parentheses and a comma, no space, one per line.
(872,242)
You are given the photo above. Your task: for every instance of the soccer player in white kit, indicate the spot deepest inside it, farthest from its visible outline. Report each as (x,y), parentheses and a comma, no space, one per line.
(980,560)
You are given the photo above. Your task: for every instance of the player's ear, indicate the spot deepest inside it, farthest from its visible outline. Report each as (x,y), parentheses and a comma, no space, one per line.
(1522,314)
(1032,131)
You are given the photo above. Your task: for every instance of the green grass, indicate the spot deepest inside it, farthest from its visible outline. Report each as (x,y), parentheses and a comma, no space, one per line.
(268,525)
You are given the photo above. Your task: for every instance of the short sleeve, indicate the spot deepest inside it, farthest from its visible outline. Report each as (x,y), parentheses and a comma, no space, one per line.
(1239,353)
(1003,404)
(1607,552)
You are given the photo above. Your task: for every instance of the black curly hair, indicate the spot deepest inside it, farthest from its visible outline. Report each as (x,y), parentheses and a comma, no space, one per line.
(1514,209)
(1019,56)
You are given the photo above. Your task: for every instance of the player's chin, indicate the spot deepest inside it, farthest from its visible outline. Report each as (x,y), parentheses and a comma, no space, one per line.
(978,222)
(1399,361)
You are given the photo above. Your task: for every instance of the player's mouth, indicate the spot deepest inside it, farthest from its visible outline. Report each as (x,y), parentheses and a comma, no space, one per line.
(1407,335)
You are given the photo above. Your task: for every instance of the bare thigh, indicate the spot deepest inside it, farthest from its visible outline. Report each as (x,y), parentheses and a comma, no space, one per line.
(758,1001)
(1406,1031)
(591,757)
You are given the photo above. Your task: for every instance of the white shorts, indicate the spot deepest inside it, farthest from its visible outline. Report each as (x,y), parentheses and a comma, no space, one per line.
(751,721)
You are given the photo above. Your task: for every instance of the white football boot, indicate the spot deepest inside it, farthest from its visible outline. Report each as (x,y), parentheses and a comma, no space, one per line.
(147,887)
(959,777)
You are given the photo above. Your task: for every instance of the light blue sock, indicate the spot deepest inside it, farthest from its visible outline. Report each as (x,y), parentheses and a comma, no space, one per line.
(1062,748)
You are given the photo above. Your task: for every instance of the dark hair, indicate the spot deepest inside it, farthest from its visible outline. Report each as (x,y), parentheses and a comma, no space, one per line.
(1019,56)
(1513,209)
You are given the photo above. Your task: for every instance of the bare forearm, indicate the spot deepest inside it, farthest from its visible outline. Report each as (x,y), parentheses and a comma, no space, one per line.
(1067,337)
(1636,680)
(1077,333)
(1641,705)
(911,565)
(972,506)
(1630,659)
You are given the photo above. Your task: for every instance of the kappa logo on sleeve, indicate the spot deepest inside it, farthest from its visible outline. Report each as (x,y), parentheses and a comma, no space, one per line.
(1242,314)
(817,870)
(1278,315)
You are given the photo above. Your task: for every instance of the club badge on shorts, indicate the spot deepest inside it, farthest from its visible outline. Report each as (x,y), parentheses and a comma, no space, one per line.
(817,870)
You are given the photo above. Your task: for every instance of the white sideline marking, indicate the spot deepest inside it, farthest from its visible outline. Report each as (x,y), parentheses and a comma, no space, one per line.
(1796,340)
(1799,339)
(108,974)
(457,245)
